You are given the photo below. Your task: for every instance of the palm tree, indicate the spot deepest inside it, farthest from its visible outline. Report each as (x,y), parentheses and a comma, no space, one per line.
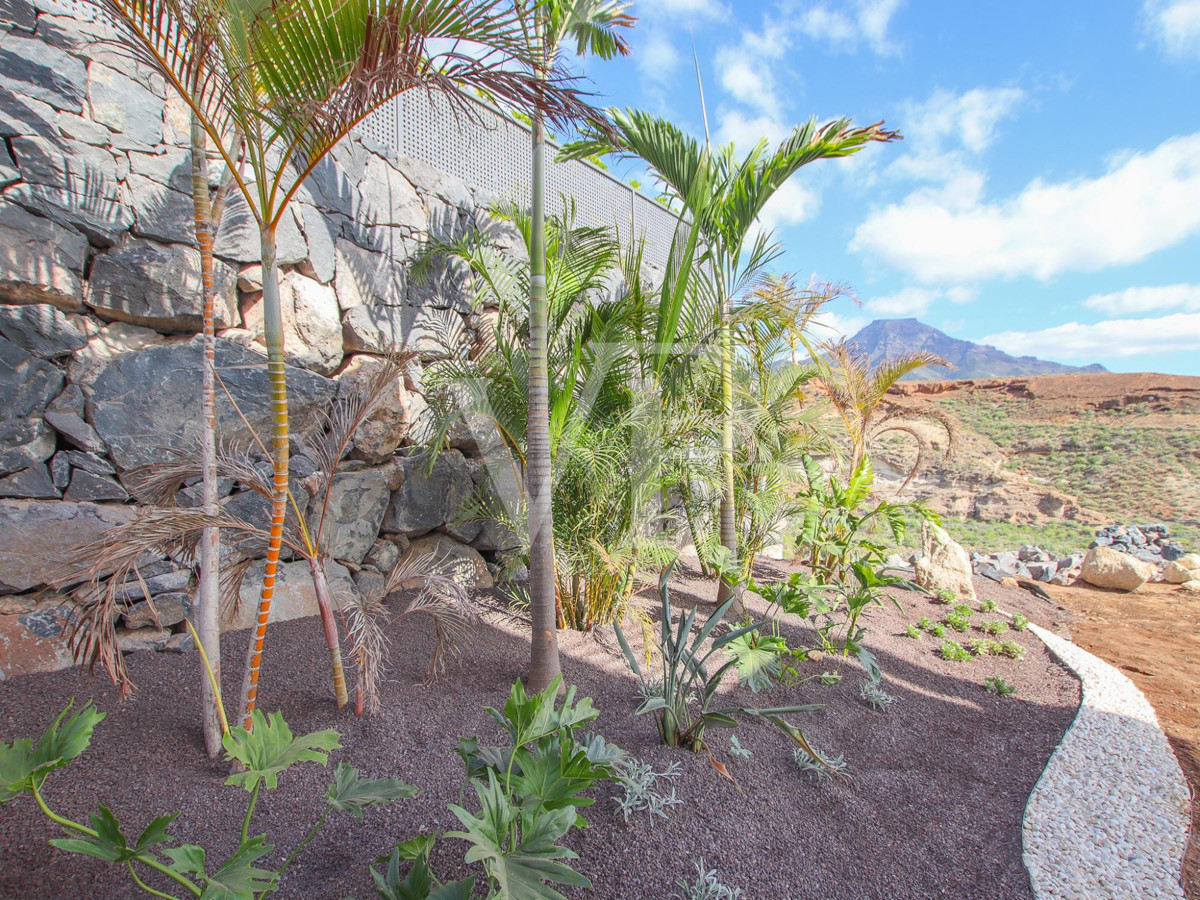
(207,213)
(856,390)
(594,26)
(292,77)
(736,259)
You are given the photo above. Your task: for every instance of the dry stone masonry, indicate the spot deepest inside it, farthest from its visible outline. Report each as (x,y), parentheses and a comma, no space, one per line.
(100,314)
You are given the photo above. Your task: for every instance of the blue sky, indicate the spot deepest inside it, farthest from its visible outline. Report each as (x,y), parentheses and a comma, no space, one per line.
(1046,198)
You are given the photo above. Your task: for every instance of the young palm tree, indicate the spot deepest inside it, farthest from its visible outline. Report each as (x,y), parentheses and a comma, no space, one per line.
(738,189)
(207,212)
(292,77)
(595,26)
(856,390)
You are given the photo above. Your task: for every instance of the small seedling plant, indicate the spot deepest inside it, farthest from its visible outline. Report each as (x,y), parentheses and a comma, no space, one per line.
(913,632)
(1019,622)
(262,754)
(987,606)
(994,684)
(954,652)
(707,886)
(994,627)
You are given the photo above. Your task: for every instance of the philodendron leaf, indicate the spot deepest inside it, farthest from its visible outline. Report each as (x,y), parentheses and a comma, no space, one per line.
(521,872)
(352,794)
(757,657)
(22,765)
(108,844)
(269,748)
(238,878)
(418,883)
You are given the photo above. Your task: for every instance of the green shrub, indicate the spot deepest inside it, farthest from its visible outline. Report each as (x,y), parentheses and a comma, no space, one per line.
(951,650)
(994,684)
(958,621)
(913,632)
(261,754)
(986,606)
(1019,622)
(995,626)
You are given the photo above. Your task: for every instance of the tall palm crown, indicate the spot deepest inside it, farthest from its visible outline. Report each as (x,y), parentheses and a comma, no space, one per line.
(725,195)
(291,78)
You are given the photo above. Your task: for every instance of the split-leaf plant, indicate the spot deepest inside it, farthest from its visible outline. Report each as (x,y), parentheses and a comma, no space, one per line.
(683,703)
(261,755)
(530,791)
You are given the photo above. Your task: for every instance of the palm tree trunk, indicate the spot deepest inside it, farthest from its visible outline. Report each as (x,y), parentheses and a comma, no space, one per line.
(728,511)
(544,663)
(273,333)
(329,624)
(208,603)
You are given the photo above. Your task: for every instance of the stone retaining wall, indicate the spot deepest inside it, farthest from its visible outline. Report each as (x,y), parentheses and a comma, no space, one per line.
(100,308)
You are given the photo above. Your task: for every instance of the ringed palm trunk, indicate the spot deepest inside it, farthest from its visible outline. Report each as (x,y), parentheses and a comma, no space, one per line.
(329,624)
(208,607)
(544,663)
(273,334)
(728,511)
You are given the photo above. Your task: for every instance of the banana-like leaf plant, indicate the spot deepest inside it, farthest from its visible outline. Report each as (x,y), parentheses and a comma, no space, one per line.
(292,78)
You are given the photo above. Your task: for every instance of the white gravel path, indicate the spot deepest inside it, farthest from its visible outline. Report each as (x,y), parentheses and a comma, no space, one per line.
(1109,818)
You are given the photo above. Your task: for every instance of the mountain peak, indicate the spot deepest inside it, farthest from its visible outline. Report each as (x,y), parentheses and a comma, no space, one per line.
(889,337)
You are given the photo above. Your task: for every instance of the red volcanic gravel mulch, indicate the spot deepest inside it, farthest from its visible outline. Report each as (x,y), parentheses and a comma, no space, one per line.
(933,806)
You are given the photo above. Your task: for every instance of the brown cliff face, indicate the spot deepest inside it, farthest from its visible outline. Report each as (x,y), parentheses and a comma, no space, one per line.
(1095,447)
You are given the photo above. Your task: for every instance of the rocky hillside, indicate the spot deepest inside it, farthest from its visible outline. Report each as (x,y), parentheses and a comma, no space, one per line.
(891,337)
(1092,448)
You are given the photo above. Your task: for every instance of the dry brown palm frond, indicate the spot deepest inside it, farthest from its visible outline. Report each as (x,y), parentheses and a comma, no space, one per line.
(342,421)
(152,534)
(898,418)
(159,483)
(439,597)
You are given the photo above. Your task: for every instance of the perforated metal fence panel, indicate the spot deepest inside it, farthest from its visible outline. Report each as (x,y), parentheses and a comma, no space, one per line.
(487,149)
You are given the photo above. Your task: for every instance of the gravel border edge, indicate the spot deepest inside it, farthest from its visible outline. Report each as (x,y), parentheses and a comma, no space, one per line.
(1109,816)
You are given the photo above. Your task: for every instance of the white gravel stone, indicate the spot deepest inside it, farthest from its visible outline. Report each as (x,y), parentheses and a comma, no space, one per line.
(1109,818)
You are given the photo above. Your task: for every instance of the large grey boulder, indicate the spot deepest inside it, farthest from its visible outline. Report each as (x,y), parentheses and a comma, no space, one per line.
(457,561)
(357,503)
(429,333)
(159,286)
(131,111)
(38,536)
(944,564)
(390,418)
(1108,568)
(43,330)
(367,277)
(312,328)
(148,400)
(32,67)
(27,385)
(34,483)
(41,261)
(294,594)
(388,199)
(429,499)
(74,183)
(35,641)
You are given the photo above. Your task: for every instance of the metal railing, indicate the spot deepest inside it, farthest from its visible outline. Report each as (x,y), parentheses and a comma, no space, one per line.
(489,149)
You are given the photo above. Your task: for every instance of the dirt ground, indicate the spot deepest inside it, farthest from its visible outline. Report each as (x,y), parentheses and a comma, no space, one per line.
(1153,635)
(933,806)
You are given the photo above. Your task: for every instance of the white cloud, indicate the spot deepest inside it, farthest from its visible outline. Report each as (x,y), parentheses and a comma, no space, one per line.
(791,204)
(829,326)
(916,301)
(1147,299)
(1115,337)
(746,131)
(1145,202)
(847,25)
(656,56)
(701,9)
(1175,26)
